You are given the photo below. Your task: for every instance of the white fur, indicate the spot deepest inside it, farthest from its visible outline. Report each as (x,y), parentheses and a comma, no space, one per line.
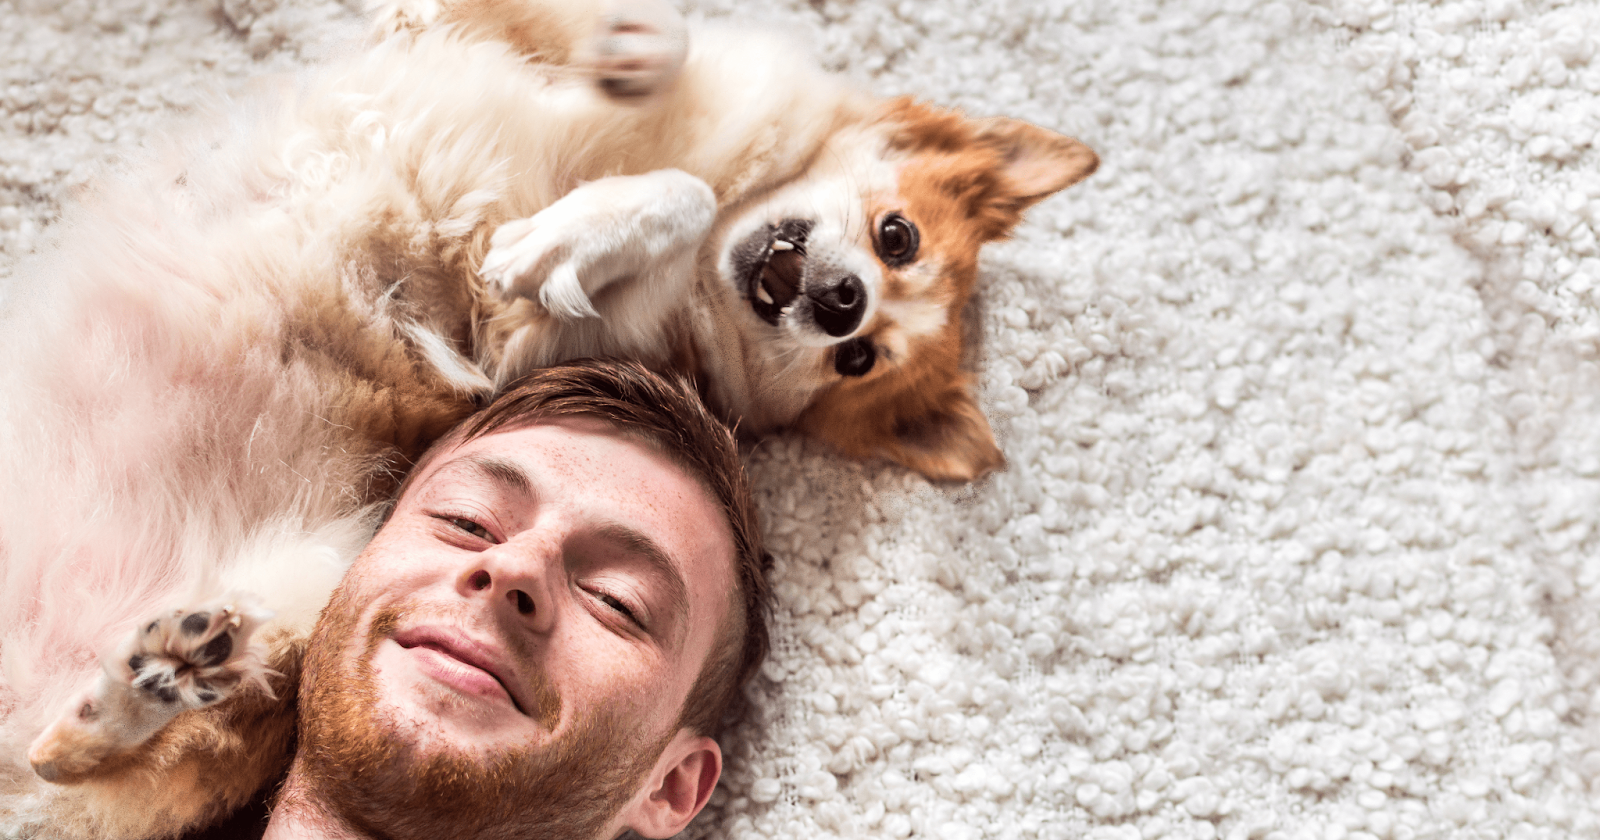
(853,168)
(642,229)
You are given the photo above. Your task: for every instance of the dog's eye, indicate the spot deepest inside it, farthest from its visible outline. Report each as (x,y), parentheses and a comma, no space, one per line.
(897,240)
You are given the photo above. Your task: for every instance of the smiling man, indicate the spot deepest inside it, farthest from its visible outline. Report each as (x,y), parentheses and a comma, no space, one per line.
(545,635)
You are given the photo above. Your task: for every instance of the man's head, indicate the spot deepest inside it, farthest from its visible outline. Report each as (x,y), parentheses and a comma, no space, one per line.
(560,609)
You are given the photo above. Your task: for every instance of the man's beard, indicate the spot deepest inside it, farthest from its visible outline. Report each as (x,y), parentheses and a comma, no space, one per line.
(364,768)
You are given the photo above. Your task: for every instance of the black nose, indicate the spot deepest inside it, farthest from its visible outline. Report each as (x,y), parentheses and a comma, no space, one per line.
(837,308)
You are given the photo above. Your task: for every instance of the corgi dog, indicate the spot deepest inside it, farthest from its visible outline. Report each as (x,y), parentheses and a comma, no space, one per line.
(220,375)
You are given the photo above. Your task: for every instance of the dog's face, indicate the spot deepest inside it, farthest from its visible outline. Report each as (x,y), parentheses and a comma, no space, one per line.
(853,278)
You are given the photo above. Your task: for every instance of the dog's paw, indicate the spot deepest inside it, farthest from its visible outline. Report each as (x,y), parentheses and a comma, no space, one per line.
(197,656)
(540,258)
(185,659)
(639,48)
(390,17)
(596,235)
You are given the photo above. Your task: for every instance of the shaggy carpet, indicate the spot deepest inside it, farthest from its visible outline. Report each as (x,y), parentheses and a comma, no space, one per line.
(1299,393)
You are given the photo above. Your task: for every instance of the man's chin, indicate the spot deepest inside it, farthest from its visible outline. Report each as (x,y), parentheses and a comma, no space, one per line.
(400,775)
(400,754)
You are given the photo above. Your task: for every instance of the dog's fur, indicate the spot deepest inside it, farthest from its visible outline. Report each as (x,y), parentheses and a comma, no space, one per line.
(246,341)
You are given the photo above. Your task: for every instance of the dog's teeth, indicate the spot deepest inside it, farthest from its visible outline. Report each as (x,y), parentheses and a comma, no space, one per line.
(763,294)
(780,245)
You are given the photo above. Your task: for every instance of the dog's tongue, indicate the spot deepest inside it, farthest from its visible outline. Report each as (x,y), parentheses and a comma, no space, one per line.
(780,277)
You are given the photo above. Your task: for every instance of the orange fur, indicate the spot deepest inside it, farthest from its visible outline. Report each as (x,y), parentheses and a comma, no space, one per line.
(964,184)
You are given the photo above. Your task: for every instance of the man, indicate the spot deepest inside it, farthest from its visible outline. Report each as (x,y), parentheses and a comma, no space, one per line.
(545,635)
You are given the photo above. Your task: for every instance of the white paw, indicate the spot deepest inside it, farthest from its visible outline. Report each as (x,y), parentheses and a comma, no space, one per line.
(539,258)
(602,232)
(639,49)
(562,294)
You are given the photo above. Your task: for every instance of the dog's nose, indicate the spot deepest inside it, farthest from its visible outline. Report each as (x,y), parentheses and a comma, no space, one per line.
(838,307)
(47,770)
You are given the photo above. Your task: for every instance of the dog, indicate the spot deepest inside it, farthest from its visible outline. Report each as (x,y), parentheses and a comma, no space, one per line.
(214,383)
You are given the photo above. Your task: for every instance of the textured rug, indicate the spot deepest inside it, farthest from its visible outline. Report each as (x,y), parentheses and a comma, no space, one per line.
(1300,395)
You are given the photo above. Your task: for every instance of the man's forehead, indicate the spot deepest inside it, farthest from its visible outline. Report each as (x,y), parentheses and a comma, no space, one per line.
(521,453)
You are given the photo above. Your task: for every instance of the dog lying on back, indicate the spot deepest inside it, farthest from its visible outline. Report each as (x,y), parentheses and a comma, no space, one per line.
(250,336)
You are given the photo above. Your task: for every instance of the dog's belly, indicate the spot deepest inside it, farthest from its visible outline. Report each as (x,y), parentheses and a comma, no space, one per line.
(202,399)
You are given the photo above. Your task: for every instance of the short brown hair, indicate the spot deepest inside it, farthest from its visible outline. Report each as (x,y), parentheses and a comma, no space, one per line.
(668,415)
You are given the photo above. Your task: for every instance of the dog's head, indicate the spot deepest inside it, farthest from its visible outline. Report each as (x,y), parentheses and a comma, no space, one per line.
(855,277)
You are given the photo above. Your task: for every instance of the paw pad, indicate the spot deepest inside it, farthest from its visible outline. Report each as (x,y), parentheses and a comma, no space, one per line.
(188,657)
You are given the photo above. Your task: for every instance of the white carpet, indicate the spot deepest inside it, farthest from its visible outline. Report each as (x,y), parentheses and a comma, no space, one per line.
(1299,390)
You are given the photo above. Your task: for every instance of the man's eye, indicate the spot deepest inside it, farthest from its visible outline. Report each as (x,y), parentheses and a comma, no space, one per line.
(617,605)
(472,528)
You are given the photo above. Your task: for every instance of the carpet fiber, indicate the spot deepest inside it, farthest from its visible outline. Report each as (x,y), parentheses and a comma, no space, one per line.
(1299,393)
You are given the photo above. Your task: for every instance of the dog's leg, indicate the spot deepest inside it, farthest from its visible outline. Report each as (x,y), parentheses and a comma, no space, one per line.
(604,231)
(392,16)
(633,47)
(185,659)
(638,49)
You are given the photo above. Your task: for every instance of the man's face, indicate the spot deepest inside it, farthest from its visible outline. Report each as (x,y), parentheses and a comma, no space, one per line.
(514,647)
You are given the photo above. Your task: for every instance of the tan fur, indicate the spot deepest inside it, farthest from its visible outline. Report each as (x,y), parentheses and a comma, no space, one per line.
(198,769)
(543,32)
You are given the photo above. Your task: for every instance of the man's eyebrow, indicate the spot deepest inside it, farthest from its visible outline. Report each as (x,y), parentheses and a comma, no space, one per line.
(501,471)
(647,549)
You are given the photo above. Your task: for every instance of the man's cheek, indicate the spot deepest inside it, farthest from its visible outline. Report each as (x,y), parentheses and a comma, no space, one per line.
(399,691)
(544,699)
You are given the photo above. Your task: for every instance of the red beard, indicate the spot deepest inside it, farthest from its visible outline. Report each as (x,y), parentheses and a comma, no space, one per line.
(361,766)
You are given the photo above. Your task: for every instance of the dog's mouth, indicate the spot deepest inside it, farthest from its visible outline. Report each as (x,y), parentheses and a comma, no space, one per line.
(771,263)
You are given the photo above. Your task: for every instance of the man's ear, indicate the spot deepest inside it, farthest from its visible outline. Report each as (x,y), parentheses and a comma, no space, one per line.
(678,787)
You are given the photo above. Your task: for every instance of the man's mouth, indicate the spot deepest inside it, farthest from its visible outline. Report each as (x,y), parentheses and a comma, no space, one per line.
(773,266)
(461,657)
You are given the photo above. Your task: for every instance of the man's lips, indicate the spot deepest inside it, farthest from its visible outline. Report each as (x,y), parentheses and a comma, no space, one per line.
(461,656)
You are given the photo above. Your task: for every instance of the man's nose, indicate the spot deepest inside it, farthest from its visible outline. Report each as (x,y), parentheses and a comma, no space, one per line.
(518,580)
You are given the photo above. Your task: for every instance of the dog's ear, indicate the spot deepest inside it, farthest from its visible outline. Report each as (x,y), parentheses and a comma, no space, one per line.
(940,433)
(953,442)
(1034,162)
(1031,164)
(997,166)
(1037,162)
